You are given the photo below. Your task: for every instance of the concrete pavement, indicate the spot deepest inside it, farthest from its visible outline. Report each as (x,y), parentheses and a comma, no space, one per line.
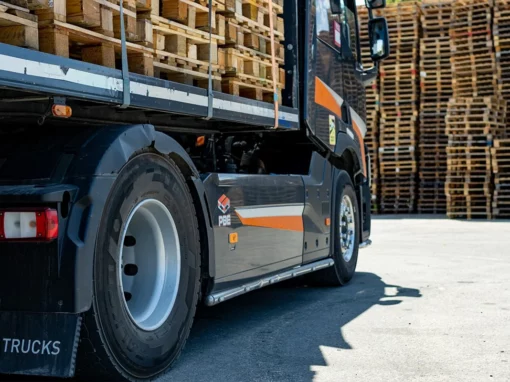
(430,302)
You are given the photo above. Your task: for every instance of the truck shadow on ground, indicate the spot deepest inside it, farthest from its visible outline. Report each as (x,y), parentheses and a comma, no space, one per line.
(275,333)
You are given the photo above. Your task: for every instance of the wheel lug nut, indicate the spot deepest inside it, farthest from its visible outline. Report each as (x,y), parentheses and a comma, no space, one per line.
(130,270)
(129,241)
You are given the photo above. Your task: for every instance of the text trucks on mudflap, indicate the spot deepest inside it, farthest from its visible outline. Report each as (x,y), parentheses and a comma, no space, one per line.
(155,196)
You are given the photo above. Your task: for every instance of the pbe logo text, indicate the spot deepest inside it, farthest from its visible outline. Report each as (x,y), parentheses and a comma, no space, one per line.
(224,206)
(224,220)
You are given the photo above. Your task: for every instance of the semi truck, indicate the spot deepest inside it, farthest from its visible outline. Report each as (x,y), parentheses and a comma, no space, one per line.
(126,200)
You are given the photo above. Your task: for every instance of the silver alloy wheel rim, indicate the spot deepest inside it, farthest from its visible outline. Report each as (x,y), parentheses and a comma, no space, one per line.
(347,228)
(150,264)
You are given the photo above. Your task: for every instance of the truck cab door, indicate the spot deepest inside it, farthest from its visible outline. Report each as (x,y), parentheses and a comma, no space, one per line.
(323,71)
(334,96)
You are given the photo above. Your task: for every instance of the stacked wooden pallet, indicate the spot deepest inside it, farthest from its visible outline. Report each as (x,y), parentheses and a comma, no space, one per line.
(501,33)
(501,169)
(471,124)
(89,30)
(372,109)
(476,115)
(172,39)
(18,26)
(182,48)
(501,150)
(399,95)
(248,48)
(436,90)
(473,59)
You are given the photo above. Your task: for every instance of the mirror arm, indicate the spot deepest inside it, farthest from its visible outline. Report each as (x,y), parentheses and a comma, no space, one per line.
(368,76)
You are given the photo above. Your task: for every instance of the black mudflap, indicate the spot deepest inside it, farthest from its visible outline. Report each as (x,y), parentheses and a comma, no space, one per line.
(42,344)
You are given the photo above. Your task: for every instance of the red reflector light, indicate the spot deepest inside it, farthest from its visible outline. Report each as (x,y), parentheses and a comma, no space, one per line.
(38,224)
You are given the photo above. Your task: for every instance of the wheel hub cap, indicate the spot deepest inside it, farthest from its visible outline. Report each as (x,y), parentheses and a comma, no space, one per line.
(150,264)
(347,228)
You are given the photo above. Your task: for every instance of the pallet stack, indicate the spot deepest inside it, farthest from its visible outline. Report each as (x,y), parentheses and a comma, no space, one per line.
(169,39)
(18,26)
(399,97)
(501,169)
(181,42)
(372,109)
(475,115)
(248,49)
(472,124)
(501,150)
(435,91)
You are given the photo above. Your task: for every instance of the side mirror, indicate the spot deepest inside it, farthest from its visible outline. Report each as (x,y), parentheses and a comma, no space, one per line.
(375,4)
(379,39)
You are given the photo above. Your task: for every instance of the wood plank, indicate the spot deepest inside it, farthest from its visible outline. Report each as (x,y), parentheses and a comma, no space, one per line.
(7,19)
(193,73)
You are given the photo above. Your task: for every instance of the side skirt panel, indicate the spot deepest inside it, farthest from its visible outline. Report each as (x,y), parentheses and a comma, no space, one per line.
(218,297)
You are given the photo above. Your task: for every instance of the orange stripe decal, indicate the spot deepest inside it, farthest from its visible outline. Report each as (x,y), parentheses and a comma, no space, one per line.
(289,223)
(325,98)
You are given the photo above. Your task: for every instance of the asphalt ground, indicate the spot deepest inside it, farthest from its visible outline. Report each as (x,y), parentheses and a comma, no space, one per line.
(430,302)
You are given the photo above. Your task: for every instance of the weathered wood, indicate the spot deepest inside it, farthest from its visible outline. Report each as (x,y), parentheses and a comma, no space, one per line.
(141,63)
(54,41)
(56,11)
(144,32)
(19,35)
(103,54)
(86,13)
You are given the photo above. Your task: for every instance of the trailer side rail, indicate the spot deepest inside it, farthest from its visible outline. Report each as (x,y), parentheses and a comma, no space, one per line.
(38,72)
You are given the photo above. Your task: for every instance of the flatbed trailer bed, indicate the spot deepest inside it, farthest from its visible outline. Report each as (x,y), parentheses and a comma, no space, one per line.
(27,75)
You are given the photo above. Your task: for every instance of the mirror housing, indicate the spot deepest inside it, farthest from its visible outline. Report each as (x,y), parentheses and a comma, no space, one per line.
(375,4)
(379,39)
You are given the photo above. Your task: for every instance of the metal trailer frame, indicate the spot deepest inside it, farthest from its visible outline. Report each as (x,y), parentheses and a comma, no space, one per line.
(42,73)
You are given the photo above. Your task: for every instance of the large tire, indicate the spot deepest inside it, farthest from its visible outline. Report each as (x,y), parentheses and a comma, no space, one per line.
(343,270)
(115,346)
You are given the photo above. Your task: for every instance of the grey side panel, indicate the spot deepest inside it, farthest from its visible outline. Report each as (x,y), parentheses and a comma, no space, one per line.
(317,209)
(260,249)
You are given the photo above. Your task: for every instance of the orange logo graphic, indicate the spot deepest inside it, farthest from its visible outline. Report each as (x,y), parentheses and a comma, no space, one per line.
(224,203)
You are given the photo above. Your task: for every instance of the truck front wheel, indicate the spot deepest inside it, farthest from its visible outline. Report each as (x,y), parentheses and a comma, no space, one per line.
(146,275)
(346,234)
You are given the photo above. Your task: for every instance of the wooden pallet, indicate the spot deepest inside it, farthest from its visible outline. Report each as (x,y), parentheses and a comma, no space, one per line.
(182,53)
(501,197)
(168,39)
(473,60)
(501,156)
(18,26)
(469,207)
(248,60)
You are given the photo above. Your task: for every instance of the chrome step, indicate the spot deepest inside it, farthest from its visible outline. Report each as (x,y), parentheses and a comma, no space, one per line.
(365,244)
(216,298)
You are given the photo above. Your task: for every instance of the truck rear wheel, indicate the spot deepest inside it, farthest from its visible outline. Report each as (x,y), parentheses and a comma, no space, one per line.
(146,275)
(346,233)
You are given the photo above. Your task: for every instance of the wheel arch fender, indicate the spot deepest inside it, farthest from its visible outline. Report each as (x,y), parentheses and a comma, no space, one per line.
(94,170)
(347,158)
(348,155)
